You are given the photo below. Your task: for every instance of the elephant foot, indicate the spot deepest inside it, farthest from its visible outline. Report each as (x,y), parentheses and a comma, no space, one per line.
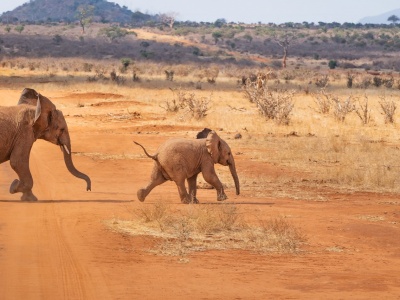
(141,195)
(29,196)
(190,199)
(186,200)
(222,197)
(14,186)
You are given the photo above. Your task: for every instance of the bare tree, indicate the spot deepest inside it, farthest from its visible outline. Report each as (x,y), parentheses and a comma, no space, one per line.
(285,40)
(168,18)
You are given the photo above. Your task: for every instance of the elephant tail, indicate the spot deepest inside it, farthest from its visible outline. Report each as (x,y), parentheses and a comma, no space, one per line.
(151,156)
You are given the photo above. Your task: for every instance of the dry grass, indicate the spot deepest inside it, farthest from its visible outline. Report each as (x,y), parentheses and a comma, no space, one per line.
(210,227)
(346,154)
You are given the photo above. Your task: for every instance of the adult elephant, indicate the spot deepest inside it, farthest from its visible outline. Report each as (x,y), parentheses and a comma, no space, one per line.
(183,159)
(35,117)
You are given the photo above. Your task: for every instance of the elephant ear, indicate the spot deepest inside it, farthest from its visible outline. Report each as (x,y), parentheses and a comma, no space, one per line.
(213,144)
(203,134)
(44,108)
(28,96)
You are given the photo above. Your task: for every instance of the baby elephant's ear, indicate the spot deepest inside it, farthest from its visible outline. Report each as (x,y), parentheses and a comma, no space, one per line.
(212,144)
(203,134)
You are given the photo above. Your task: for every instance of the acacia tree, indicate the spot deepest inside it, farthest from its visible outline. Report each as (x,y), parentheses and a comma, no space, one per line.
(394,19)
(19,28)
(217,35)
(285,40)
(85,14)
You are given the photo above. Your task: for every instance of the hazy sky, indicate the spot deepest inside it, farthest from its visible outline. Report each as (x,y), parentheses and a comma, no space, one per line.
(252,11)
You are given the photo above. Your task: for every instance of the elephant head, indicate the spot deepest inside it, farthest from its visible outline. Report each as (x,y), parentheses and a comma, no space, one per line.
(221,153)
(50,125)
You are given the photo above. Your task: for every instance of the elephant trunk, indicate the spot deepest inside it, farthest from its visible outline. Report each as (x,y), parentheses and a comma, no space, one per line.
(71,168)
(232,168)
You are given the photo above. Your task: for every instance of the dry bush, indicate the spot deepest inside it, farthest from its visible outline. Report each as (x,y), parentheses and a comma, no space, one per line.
(388,109)
(322,82)
(200,228)
(377,81)
(211,74)
(169,75)
(181,97)
(388,83)
(118,79)
(323,101)
(172,106)
(287,75)
(363,82)
(342,108)
(275,104)
(363,111)
(196,107)
(350,79)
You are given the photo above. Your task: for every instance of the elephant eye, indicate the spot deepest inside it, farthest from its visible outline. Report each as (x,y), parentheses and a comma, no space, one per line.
(49,118)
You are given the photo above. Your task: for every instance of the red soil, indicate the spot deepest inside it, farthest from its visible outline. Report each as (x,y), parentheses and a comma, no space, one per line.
(60,248)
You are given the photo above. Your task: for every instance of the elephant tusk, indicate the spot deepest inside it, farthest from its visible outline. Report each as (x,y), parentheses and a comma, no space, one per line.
(66,149)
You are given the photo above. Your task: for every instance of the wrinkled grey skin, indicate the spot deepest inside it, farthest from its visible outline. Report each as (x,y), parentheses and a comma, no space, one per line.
(35,117)
(182,159)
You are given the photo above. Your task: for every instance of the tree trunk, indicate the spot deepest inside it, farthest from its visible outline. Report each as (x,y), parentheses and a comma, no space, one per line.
(285,53)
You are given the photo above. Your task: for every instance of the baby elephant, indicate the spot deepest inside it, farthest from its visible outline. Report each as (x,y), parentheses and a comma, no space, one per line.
(181,159)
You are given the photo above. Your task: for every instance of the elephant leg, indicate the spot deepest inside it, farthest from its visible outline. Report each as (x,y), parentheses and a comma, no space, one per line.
(157,178)
(213,179)
(192,182)
(183,194)
(25,183)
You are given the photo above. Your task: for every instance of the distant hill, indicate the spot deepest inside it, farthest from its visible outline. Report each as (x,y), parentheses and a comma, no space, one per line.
(380,19)
(66,10)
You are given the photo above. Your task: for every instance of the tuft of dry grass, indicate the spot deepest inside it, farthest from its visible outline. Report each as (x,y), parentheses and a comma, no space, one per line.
(211,227)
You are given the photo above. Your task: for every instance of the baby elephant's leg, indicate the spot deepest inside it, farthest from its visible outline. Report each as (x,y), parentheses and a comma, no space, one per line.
(213,179)
(192,183)
(157,178)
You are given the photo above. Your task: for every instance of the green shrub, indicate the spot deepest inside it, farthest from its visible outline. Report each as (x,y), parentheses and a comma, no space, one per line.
(332,64)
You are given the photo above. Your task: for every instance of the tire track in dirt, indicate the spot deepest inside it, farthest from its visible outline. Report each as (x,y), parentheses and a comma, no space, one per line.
(37,261)
(71,277)
(62,265)
(40,255)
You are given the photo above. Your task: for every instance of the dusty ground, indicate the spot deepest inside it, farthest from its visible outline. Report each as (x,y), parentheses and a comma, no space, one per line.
(60,247)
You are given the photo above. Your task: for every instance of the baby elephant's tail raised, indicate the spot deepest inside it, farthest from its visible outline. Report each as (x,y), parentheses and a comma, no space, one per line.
(151,156)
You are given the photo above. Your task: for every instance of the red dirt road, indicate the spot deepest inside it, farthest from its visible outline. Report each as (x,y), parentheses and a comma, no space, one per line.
(60,247)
